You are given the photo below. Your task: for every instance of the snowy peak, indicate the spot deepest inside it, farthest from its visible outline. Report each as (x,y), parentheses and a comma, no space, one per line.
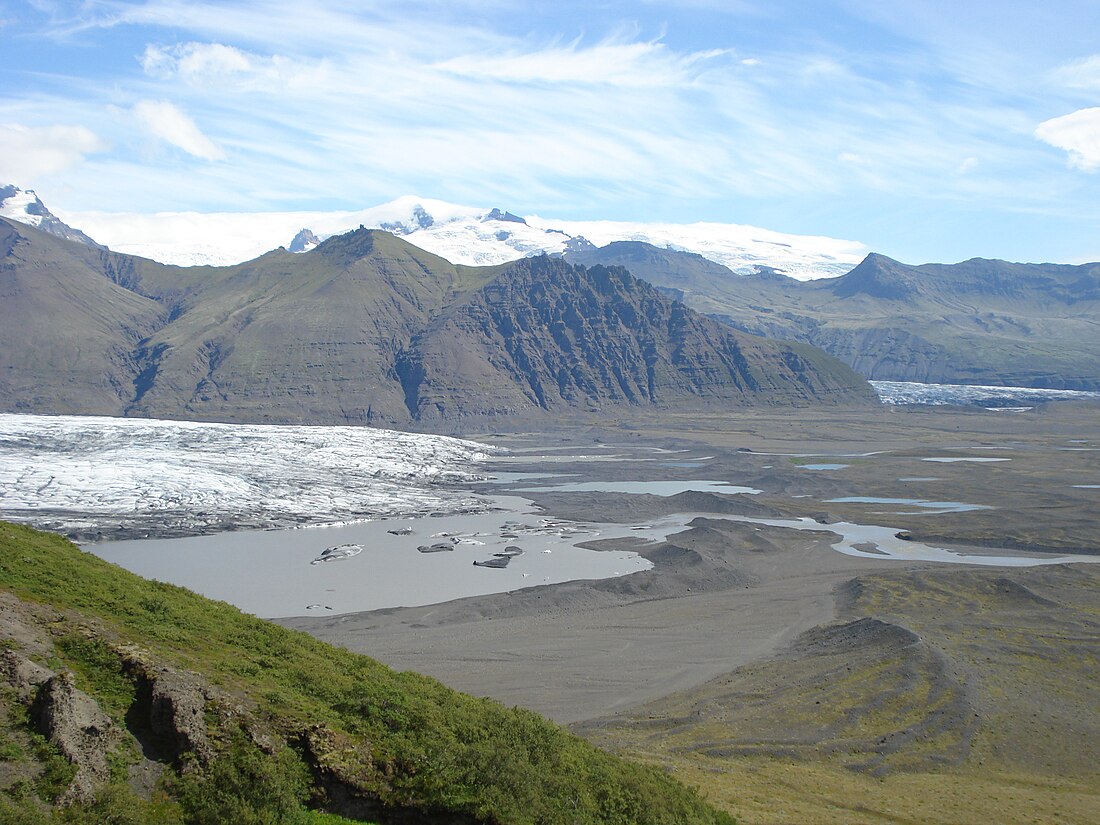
(24,206)
(304,241)
(497,215)
(418,219)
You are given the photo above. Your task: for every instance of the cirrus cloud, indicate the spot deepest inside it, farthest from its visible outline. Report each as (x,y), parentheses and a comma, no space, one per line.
(644,63)
(195,60)
(169,123)
(222,68)
(1080,74)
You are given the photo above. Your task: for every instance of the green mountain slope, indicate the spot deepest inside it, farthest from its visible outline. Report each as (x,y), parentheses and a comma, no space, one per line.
(292,337)
(67,333)
(245,721)
(366,328)
(978,322)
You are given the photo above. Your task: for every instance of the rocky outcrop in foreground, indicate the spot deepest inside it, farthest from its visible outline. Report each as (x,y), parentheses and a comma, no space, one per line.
(133,701)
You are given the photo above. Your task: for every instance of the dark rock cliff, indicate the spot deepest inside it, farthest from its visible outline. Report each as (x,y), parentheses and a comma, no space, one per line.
(548,336)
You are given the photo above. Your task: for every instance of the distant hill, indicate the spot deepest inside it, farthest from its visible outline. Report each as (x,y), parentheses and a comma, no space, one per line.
(976,322)
(366,328)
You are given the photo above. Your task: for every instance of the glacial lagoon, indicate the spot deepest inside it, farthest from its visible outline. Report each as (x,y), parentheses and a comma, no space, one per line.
(270,572)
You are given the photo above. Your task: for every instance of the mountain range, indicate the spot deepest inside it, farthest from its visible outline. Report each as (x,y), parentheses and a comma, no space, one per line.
(366,328)
(976,322)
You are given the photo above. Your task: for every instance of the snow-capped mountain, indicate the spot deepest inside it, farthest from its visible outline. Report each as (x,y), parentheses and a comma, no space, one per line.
(23,205)
(304,241)
(461,234)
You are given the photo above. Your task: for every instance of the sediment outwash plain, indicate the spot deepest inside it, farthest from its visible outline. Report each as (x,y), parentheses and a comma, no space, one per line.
(791,682)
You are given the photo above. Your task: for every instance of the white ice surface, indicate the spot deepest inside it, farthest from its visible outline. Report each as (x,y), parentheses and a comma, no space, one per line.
(461,234)
(911,392)
(69,472)
(15,207)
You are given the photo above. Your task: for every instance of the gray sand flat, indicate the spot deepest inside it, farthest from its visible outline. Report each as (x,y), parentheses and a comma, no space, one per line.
(573,652)
(725,595)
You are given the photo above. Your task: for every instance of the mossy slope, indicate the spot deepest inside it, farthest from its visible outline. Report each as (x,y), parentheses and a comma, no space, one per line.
(323,727)
(944,695)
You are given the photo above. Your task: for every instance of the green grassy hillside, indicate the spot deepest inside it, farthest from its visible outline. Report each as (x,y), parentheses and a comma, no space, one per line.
(288,727)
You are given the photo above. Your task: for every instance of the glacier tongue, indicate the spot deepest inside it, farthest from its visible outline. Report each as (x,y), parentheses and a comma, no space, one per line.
(96,476)
(911,392)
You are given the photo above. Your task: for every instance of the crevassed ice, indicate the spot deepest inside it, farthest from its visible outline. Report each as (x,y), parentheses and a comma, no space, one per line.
(911,392)
(134,472)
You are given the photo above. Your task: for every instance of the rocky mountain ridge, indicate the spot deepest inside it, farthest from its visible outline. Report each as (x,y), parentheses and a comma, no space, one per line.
(976,322)
(25,206)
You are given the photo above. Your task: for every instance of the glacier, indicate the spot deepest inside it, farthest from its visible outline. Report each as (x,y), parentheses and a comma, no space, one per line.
(467,235)
(99,477)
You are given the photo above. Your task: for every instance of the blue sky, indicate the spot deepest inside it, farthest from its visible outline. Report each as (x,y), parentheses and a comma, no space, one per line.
(929,130)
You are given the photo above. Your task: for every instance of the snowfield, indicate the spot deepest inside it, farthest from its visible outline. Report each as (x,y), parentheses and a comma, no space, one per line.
(469,235)
(20,207)
(118,477)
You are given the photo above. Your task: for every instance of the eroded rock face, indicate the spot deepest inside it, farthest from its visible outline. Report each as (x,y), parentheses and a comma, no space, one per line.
(176,703)
(79,728)
(178,712)
(345,770)
(23,674)
(546,336)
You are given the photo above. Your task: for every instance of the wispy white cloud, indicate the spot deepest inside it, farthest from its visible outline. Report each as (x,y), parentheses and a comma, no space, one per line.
(1078,133)
(1079,74)
(26,153)
(195,61)
(648,63)
(337,103)
(167,122)
(225,69)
